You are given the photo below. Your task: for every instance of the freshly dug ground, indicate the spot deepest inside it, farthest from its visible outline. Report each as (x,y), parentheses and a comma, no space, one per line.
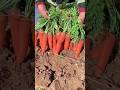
(52,71)
(13,76)
(60,72)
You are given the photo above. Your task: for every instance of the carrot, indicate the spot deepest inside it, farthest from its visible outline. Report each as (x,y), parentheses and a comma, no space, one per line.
(71,46)
(58,48)
(58,35)
(74,47)
(36,39)
(36,34)
(94,53)
(50,41)
(44,43)
(3,22)
(67,42)
(13,21)
(60,42)
(40,35)
(23,38)
(79,47)
(107,47)
(54,43)
(62,37)
(88,44)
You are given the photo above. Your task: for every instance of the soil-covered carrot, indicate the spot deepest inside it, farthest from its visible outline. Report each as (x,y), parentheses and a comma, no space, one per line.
(79,47)
(50,41)
(3,22)
(67,42)
(107,47)
(44,42)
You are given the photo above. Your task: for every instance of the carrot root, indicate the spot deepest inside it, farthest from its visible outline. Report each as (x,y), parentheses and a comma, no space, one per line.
(67,42)
(107,47)
(50,41)
(79,47)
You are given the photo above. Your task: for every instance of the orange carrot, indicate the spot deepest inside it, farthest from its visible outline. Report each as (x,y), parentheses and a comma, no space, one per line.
(67,42)
(79,47)
(54,43)
(71,46)
(36,39)
(3,22)
(62,37)
(40,35)
(13,21)
(88,44)
(95,52)
(50,41)
(74,47)
(44,43)
(58,35)
(59,43)
(33,36)
(107,47)
(23,38)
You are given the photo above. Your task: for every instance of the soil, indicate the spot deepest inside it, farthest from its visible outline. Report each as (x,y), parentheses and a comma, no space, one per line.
(13,76)
(60,72)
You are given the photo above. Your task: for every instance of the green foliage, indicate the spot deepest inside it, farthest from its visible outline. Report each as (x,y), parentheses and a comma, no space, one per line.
(114,19)
(7,4)
(29,8)
(64,20)
(97,17)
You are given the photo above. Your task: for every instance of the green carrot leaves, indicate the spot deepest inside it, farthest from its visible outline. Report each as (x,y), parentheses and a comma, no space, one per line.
(63,20)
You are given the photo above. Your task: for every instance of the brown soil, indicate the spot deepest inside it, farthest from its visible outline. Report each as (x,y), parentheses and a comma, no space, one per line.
(15,77)
(60,72)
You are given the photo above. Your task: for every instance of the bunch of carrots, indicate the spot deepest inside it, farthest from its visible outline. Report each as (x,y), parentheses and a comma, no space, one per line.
(19,25)
(62,31)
